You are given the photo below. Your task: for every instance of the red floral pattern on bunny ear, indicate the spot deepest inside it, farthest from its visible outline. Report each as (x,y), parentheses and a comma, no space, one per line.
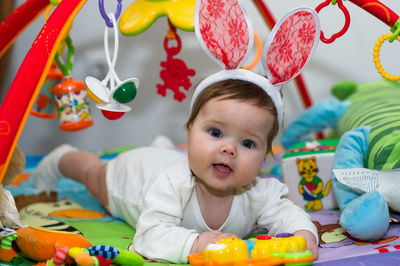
(291,47)
(224,32)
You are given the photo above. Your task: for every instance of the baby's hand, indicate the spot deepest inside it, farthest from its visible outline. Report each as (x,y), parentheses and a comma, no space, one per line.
(310,240)
(206,238)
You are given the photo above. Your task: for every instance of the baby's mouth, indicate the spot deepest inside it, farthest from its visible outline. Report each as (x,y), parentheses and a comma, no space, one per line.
(222,170)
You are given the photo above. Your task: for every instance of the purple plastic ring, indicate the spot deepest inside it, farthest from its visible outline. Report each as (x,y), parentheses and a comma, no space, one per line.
(104,14)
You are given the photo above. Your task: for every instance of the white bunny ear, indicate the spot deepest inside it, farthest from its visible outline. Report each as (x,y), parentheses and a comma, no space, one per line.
(224,31)
(290,45)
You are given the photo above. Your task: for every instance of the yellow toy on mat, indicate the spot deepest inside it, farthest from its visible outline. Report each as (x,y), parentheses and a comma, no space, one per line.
(263,250)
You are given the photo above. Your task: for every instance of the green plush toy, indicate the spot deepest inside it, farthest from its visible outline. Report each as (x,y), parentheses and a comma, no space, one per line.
(364,178)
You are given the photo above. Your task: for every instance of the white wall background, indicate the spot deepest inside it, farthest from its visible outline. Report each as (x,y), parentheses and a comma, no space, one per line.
(349,57)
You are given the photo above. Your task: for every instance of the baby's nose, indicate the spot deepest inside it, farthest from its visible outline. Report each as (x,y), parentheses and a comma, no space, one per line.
(229,148)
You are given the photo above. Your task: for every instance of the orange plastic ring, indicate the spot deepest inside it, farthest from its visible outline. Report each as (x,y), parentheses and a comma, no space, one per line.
(253,63)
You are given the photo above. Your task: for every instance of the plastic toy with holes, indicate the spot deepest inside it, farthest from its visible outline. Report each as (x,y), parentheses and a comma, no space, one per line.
(263,250)
(112,100)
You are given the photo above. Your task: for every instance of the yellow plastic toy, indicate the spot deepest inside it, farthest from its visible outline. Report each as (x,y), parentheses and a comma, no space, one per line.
(142,13)
(263,250)
(377,60)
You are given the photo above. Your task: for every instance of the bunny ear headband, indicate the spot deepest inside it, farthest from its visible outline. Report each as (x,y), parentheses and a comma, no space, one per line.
(226,35)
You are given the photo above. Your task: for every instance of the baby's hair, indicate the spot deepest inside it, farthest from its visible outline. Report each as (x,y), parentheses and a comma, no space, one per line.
(236,89)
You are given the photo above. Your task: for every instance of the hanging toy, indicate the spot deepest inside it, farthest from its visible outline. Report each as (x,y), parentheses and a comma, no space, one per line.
(346,22)
(71,97)
(72,104)
(44,105)
(377,60)
(112,100)
(376,54)
(141,14)
(175,73)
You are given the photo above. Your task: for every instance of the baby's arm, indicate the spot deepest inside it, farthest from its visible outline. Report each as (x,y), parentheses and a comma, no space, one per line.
(162,239)
(159,234)
(310,240)
(280,215)
(206,238)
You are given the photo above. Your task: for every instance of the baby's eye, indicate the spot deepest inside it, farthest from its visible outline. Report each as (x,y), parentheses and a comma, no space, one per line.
(216,133)
(248,144)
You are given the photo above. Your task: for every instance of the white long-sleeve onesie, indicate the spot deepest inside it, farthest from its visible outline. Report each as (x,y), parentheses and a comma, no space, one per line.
(153,190)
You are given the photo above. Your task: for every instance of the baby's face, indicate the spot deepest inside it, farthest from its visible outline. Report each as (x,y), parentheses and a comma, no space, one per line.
(227,143)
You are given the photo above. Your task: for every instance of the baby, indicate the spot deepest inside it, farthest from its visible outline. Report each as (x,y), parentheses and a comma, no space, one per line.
(181,203)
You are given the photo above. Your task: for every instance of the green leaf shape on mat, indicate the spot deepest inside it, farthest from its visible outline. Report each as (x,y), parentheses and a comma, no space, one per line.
(115,234)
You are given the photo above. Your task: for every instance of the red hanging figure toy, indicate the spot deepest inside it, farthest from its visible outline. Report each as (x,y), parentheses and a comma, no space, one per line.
(175,73)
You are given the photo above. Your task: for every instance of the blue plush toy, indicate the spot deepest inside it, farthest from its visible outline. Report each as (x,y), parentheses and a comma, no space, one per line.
(365,182)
